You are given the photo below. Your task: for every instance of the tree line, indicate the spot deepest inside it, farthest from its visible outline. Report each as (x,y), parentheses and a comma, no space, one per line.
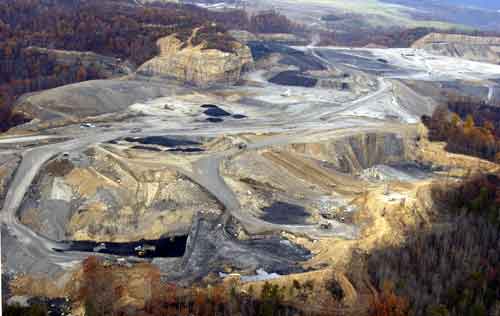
(102,286)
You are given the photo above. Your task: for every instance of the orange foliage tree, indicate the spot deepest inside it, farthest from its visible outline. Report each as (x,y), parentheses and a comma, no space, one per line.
(388,303)
(97,291)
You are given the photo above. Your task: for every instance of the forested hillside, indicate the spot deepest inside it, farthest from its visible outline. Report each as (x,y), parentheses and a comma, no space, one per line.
(451,264)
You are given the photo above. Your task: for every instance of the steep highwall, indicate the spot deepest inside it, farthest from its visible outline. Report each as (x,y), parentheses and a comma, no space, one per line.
(196,65)
(357,152)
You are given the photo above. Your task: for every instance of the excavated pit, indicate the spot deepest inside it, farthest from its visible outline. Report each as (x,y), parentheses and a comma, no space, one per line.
(302,184)
(112,211)
(109,195)
(313,183)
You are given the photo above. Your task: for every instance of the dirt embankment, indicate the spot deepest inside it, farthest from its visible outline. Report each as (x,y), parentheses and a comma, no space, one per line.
(77,101)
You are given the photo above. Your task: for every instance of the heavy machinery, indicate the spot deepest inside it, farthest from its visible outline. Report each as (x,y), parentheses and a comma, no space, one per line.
(142,250)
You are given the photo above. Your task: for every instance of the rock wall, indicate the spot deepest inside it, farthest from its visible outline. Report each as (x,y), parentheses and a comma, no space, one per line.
(195,65)
(476,48)
(354,153)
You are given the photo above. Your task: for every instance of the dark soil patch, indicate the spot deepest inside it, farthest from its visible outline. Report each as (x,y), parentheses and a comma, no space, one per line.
(263,49)
(216,112)
(285,213)
(293,78)
(291,56)
(161,141)
(186,150)
(282,248)
(303,61)
(59,167)
(239,116)
(214,120)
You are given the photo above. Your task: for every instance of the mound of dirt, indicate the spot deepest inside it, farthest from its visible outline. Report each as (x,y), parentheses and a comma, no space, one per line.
(89,98)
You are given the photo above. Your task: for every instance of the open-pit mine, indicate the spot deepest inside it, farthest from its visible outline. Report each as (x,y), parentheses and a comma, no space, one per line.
(317,153)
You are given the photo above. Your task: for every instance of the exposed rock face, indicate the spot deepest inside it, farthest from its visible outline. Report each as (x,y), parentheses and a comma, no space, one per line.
(354,153)
(196,65)
(477,48)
